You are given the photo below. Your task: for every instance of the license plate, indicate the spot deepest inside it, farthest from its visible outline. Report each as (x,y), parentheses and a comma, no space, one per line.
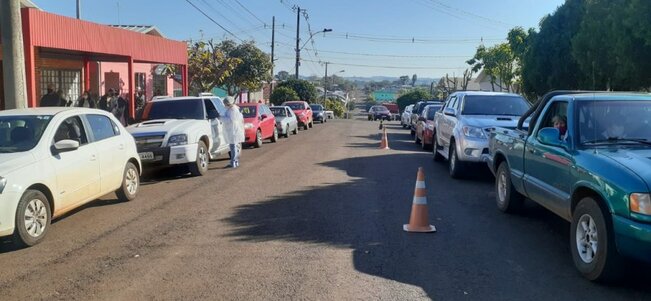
(146,156)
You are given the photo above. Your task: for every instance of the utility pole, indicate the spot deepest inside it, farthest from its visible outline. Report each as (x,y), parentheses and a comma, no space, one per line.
(298,27)
(273,44)
(325,84)
(13,55)
(78,9)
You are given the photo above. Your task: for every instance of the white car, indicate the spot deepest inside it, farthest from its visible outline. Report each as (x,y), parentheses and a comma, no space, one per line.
(181,131)
(53,160)
(405,119)
(286,121)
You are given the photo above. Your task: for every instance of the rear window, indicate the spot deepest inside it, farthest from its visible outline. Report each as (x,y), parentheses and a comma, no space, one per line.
(279,112)
(494,105)
(248,111)
(431,112)
(316,107)
(295,105)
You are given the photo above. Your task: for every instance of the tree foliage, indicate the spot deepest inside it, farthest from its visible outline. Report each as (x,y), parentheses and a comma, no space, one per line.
(412,97)
(336,106)
(404,79)
(305,90)
(283,94)
(253,70)
(497,62)
(282,75)
(208,66)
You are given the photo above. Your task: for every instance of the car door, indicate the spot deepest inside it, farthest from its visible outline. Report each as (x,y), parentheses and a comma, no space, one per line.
(547,168)
(421,124)
(293,122)
(447,122)
(77,171)
(266,123)
(111,149)
(215,125)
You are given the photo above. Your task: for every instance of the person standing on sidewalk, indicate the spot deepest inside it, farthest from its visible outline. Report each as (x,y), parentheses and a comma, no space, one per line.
(233,130)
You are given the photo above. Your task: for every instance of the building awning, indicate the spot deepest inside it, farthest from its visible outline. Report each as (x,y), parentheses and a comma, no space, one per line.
(60,32)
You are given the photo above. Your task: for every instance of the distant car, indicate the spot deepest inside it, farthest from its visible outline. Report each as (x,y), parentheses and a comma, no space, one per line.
(405,119)
(425,127)
(285,120)
(379,112)
(179,131)
(259,124)
(53,160)
(394,109)
(318,112)
(330,114)
(303,113)
(418,110)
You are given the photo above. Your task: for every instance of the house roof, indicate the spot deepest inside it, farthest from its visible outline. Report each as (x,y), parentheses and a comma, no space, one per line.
(28,3)
(145,29)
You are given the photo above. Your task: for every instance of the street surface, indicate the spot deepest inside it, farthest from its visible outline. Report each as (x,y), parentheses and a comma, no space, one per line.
(317,216)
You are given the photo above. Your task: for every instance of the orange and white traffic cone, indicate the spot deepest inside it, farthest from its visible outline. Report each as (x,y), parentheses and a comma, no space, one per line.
(419,219)
(384,144)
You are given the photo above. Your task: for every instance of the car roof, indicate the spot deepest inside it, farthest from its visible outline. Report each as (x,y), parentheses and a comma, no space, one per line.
(248,104)
(48,111)
(295,101)
(607,96)
(182,98)
(485,93)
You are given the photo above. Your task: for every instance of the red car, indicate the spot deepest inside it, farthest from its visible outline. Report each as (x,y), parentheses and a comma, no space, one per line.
(425,126)
(303,113)
(259,124)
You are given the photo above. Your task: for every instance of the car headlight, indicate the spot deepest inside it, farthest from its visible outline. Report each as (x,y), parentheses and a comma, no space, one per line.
(3,183)
(473,132)
(175,140)
(640,203)
(248,126)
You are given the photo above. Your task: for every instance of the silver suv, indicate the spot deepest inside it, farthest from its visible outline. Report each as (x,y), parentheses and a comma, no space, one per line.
(463,126)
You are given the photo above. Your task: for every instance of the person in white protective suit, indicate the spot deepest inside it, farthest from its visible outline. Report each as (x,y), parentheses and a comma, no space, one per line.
(233,130)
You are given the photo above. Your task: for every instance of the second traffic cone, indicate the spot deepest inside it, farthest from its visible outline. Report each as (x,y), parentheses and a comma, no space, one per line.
(384,144)
(419,219)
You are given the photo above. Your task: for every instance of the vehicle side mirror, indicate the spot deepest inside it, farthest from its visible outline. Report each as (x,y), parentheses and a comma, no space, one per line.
(263,116)
(550,136)
(450,112)
(213,115)
(422,119)
(66,145)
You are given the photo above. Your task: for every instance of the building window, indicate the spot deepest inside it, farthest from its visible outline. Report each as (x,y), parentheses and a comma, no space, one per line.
(141,82)
(160,85)
(68,81)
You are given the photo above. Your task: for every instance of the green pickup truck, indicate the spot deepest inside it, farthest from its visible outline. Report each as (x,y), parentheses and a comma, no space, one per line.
(587,158)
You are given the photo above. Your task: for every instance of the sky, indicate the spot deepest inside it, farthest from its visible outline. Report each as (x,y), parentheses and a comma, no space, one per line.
(429,38)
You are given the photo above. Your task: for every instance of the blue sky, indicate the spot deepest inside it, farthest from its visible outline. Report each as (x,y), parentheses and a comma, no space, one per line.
(369,37)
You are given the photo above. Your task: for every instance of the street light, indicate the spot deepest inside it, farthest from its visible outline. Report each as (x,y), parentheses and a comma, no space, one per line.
(298,50)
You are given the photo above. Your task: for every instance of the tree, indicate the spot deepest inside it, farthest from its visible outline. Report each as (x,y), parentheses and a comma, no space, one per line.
(208,66)
(283,94)
(404,79)
(413,80)
(412,97)
(282,75)
(305,90)
(336,106)
(498,62)
(253,70)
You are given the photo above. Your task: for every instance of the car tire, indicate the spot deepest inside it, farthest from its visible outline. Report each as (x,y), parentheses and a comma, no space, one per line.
(130,183)
(507,198)
(412,132)
(200,166)
(286,131)
(31,232)
(295,132)
(435,149)
(274,137)
(455,167)
(258,139)
(591,229)
(423,145)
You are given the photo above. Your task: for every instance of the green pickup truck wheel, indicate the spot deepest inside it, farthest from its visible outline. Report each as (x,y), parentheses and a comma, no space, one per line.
(507,198)
(593,243)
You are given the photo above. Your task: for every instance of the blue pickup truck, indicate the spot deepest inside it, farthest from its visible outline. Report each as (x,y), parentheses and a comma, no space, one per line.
(587,158)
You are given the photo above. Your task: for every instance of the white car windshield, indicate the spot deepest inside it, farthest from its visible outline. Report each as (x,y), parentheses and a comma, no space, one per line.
(21,133)
(175,109)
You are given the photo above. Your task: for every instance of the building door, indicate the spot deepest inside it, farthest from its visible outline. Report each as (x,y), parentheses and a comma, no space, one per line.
(160,85)
(111,81)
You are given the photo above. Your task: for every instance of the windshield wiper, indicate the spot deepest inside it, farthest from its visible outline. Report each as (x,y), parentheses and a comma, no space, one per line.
(619,139)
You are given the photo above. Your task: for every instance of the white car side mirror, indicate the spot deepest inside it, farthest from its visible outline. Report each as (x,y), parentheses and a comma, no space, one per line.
(66,145)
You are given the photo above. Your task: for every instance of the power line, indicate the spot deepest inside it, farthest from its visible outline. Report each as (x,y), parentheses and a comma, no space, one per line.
(247,10)
(395,55)
(437,2)
(389,67)
(213,20)
(408,40)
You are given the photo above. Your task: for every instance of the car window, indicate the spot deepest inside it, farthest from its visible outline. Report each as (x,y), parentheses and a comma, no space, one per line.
(174,109)
(452,103)
(248,111)
(102,127)
(21,133)
(279,112)
(219,104)
(210,107)
(494,105)
(71,129)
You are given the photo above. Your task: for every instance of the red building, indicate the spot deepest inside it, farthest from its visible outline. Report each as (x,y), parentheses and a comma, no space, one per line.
(69,53)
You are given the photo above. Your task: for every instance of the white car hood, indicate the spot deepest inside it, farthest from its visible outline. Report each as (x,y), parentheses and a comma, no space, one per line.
(161,126)
(12,161)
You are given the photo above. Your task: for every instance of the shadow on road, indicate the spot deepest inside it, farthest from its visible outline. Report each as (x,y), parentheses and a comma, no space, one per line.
(477,253)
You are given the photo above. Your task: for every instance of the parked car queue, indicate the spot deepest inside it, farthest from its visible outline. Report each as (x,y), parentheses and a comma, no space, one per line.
(583,156)
(53,160)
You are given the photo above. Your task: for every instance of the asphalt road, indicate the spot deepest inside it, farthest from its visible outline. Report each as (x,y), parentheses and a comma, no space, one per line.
(317,216)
